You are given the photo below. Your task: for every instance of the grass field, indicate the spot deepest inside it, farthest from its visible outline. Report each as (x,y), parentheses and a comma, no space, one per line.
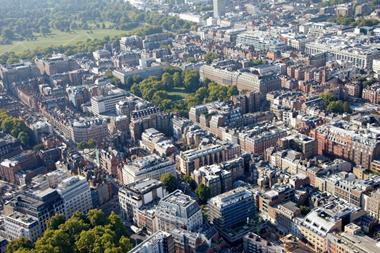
(178,93)
(58,38)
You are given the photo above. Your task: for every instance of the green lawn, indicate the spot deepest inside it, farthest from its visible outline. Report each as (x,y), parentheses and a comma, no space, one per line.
(57,38)
(178,93)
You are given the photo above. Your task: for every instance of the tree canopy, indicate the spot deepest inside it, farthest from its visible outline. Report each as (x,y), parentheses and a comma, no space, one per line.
(203,193)
(162,91)
(17,128)
(170,182)
(91,233)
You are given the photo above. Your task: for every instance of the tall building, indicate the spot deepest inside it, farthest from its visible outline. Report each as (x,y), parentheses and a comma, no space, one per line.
(42,205)
(17,225)
(219,8)
(231,211)
(151,166)
(139,194)
(178,210)
(76,194)
(159,242)
(107,103)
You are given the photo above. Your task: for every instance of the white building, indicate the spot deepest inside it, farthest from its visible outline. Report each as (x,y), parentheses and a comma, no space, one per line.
(136,195)
(89,128)
(17,225)
(107,103)
(178,210)
(151,166)
(76,195)
(157,243)
(376,67)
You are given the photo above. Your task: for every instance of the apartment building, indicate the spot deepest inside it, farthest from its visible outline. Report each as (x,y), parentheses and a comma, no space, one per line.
(259,138)
(244,81)
(178,211)
(342,140)
(86,129)
(192,159)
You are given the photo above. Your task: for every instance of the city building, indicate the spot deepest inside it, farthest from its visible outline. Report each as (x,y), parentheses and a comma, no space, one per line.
(9,146)
(192,159)
(244,81)
(151,166)
(86,129)
(352,240)
(40,204)
(76,195)
(253,243)
(159,242)
(259,138)
(219,8)
(342,140)
(178,210)
(232,210)
(157,142)
(18,225)
(106,104)
(325,220)
(139,194)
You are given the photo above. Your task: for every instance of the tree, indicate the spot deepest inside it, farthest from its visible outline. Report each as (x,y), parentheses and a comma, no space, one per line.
(19,244)
(24,138)
(91,233)
(335,106)
(167,80)
(97,217)
(117,225)
(54,241)
(201,94)
(125,244)
(191,80)
(232,91)
(190,181)
(346,106)
(170,181)
(177,79)
(210,57)
(55,221)
(8,34)
(91,143)
(304,210)
(327,97)
(203,193)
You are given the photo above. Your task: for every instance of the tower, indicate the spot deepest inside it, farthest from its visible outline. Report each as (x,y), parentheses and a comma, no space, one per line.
(219,8)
